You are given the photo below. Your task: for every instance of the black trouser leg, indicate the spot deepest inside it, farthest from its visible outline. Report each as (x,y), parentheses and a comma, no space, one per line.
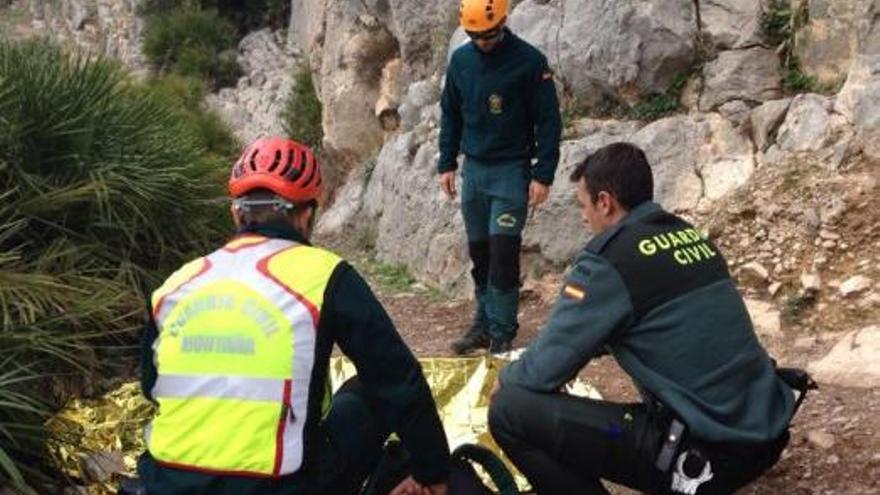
(503,290)
(565,444)
(479,253)
(355,436)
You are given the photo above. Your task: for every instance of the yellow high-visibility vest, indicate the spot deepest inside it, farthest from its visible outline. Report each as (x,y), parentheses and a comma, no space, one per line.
(235,354)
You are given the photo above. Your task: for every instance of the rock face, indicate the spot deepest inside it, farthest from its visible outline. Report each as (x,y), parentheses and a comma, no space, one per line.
(378,68)
(365,54)
(252,107)
(602,48)
(808,124)
(853,362)
(350,76)
(837,31)
(855,285)
(399,199)
(422,30)
(106,27)
(765,121)
(555,230)
(307,27)
(414,224)
(858,101)
(729,24)
(751,74)
(718,158)
(417,103)
(813,130)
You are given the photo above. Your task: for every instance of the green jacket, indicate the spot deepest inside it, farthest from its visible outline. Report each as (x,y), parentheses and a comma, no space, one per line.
(500,106)
(657,295)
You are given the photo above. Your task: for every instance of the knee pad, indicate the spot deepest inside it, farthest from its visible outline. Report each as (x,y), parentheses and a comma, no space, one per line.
(504,261)
(479,252)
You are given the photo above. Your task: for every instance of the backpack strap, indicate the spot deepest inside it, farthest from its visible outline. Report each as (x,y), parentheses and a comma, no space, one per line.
(487,459)
(393,467)
(800,381)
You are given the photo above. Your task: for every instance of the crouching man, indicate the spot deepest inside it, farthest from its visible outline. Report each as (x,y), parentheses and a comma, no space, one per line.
(656,294)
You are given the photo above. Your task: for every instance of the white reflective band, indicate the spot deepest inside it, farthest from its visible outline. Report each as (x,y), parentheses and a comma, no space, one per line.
(220,387)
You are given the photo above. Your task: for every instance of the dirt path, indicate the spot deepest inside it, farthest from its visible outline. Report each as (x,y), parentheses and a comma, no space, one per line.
(850,417)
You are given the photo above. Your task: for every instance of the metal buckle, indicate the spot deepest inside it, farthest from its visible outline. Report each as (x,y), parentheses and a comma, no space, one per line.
(277,204)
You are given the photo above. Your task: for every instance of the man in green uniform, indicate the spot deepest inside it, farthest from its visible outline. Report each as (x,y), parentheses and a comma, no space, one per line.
(656,294)
(500,110)
(236,354)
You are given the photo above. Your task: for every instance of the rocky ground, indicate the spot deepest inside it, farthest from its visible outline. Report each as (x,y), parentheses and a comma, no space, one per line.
(804,245)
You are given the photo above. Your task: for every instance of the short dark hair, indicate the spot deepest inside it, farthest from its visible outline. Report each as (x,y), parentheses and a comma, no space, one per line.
(622,170)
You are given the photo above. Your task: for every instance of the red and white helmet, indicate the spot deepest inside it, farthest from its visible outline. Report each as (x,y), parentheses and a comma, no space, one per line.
(281,165)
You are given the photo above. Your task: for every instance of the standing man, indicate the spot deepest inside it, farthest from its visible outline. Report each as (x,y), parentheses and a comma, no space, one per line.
(237,348)
(500,110)
(655,293)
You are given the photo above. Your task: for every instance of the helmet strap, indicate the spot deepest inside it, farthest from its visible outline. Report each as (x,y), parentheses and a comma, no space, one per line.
(245,205)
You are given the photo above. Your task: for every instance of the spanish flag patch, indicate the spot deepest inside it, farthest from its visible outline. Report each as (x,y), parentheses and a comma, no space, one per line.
(576,292)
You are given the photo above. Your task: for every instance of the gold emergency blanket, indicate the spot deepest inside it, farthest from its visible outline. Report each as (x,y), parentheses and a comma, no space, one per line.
(96,440)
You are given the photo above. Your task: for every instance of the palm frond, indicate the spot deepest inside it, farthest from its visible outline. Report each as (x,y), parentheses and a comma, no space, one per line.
(104,188)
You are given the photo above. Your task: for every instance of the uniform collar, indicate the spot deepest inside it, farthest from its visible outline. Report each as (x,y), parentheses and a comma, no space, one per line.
(506,40)
(635,215)
(640,212)
(274,230)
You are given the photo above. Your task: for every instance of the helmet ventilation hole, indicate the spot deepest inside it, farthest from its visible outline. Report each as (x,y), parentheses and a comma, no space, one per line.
(252,161)
(276,161)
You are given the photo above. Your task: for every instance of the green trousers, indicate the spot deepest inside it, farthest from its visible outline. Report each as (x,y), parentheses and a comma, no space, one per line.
(494,203)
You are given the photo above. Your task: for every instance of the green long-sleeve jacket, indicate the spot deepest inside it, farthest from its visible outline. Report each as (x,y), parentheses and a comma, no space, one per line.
(500,106)
(657,295)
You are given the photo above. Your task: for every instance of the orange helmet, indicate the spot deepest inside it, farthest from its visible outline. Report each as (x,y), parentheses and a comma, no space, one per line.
(281,165)
(482,15)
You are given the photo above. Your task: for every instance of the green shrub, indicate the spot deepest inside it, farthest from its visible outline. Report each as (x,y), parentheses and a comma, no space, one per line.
(301,115)
(781,22)
(104,190)
(652,107)
(656,106)
(572,109)
(192,42)
(186,96)
(778,22)
(249,15)
(151,7)
(796,305)
(661,104)
(245,15)
(178,90)
(796,81)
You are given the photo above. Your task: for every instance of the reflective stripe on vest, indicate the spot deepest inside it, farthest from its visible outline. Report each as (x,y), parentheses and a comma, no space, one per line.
(220,387)
(235,355)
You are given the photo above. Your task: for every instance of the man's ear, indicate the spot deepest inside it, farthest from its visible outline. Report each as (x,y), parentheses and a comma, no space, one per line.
(304,218)
(605,203)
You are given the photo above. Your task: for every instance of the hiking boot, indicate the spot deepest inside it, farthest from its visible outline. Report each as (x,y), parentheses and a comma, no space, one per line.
(475,338)
(499,346)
